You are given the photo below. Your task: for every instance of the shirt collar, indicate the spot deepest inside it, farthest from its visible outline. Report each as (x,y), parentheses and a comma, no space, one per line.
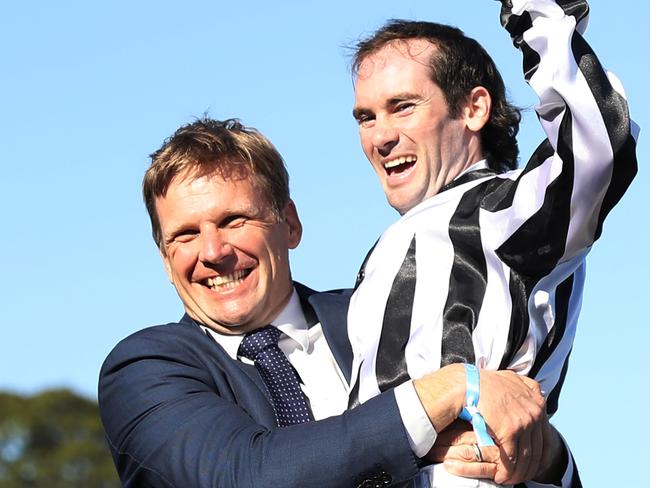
(427,202)
(291,321)
(482,164)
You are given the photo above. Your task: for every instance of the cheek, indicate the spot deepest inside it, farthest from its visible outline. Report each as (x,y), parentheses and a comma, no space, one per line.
(366,142)
(182,260)
(276,256)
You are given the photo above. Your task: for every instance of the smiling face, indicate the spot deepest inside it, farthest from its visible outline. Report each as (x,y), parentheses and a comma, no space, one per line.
(225,251)
(406,131)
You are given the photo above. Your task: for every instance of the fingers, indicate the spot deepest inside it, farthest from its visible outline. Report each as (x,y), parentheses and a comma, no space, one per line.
(521,463)
(462,461)
(466,453)
(459,432)
(471,469)
(505,467)
(535,388)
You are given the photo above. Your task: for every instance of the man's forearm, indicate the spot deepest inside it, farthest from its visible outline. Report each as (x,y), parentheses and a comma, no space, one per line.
(442,394)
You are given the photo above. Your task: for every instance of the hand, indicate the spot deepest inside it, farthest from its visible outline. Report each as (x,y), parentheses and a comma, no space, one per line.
(451,443)
(454,447)
(514,410)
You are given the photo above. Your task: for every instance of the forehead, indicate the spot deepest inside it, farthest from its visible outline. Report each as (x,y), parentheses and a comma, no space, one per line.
(189,194)
(413,54)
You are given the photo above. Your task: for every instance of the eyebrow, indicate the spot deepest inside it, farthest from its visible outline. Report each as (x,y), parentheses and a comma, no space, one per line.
(391,102)
(400,97)
(358,112)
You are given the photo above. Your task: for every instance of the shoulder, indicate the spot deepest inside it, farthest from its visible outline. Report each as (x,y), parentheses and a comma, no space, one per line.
(325,303)
(306,292)
(180,341)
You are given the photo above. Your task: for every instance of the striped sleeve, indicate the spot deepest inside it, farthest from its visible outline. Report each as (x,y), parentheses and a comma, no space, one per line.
(588,159)
(585,166)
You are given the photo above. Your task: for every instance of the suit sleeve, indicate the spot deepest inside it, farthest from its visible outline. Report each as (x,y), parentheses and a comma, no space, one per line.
(168,424)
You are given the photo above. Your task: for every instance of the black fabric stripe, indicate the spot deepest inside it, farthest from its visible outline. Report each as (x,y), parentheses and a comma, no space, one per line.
(361,274)
(614,111)
(530,61)
(625,169)
(553,398)
(467,280)
(501,191)
(396,327)
(516,25)
(575,481)
(520,289)
(535,248)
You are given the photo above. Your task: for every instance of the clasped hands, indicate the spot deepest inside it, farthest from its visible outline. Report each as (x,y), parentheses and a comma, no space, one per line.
(527,446)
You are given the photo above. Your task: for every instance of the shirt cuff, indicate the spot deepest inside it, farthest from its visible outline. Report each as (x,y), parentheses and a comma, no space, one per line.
(420,432)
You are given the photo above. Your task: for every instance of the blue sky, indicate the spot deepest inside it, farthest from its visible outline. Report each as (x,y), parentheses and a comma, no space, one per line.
(89,89)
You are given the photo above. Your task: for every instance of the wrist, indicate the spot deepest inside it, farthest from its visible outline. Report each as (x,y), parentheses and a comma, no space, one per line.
(470,413)
(442,394)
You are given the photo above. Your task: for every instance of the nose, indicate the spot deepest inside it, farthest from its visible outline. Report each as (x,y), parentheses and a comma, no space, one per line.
(214,245)
(384,136)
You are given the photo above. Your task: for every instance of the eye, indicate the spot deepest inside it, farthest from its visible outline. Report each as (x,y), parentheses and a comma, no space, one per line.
(181,236)
(234,221)
(364,119)
(404,106)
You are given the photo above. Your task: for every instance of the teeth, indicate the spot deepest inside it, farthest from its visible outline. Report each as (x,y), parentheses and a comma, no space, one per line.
(227,281)
(400,160)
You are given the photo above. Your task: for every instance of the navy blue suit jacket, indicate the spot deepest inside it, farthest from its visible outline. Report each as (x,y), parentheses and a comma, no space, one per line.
(179,412)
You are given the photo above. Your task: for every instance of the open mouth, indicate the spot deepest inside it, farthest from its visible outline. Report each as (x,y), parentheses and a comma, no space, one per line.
(229,281)
(400,165)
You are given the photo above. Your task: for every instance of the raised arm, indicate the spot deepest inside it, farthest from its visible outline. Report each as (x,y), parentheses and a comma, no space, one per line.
(588,159)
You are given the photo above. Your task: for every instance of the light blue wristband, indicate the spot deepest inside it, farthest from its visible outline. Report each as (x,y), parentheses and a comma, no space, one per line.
(470,413)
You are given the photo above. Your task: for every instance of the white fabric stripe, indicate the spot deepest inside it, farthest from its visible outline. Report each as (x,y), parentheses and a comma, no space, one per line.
(562,84)
(491,334)
(549,373)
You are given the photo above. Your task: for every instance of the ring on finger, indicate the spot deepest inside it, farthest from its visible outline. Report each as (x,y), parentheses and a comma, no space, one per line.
(477,453)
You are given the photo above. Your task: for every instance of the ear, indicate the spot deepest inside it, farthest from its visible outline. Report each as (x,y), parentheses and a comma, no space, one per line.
(294,227)
(167,265)
(477,110)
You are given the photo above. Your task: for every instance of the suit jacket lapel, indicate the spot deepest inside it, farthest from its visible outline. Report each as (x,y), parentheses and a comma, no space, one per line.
(262,411)
(331,309)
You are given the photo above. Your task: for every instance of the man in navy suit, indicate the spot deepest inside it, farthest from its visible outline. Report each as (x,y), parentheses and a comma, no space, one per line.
(182,408)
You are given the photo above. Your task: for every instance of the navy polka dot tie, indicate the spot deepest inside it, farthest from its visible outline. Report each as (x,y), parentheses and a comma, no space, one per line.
(261,346)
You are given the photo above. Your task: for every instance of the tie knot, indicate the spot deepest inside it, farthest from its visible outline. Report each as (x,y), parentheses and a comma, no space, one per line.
(258,340)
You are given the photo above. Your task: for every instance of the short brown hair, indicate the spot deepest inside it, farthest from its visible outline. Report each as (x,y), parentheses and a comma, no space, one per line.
(458,65)
(206,147)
